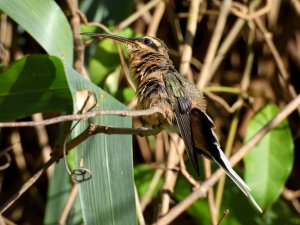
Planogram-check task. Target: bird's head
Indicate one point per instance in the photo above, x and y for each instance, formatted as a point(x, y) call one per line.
point(138, 45)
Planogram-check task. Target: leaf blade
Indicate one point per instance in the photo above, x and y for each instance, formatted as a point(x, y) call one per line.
point(108, 198)
point(36, 83)
point(45, 22)
point(267, 165)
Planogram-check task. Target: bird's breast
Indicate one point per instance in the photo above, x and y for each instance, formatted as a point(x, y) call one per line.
point(152, 92)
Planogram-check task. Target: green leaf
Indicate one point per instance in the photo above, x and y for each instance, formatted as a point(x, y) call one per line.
point(40, 84)
point(143, 175)
point(45, 22)
point(269, 163)
point(108, 197)
point(33, 84)
point(105, 60)
point(125, 94)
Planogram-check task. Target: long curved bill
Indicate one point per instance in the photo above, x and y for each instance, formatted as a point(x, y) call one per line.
point(110, 36)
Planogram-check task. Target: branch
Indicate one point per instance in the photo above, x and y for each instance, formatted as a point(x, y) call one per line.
point(58, 154)
point(187, 49)
point(87, 115)
point(133, 17)
point(213, 45)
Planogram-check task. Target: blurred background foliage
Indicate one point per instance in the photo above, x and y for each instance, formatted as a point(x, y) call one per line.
point(246, 91)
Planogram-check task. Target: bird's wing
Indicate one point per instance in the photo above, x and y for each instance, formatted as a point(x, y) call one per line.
point(206, 142)
point(182, 111)
point(182, 106)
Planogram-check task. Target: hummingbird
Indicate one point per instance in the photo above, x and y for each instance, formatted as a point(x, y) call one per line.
point(184, 106)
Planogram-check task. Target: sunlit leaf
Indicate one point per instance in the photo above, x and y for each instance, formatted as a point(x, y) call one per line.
point(45, 22)
point(33, 84)
point(106, 59)
point(108, 197)
point(269, 163)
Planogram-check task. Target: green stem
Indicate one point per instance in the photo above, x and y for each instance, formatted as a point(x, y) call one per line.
point(223, 89)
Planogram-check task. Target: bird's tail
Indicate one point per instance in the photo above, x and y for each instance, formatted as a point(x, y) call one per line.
point(225, 164)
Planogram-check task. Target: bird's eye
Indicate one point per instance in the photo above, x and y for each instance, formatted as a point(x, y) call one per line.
point(148, 41)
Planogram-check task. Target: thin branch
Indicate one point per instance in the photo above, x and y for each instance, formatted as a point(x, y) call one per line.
point(68, 206)
point(210, 193)
point(139, 210)
point(221, 101)
point(93, 129)
point(151, 188)
point(280, 65)
point(43, 140)
point(235, 121)
point(187, 175)
point(26, 186)
point(175, 151)
point(225, 213)
point(157, 16)
point(58, 154)
point(133, 17)
point(184, 204)
point(125, 68)
point(143, 144)
point(93, 24)
point(191, 28)
point(222, 89)
point(241, 10)
point(78, 45)
point(292, 196)
point(141, 131)
point(214, 43)
point(65, 118)
point(226, 44)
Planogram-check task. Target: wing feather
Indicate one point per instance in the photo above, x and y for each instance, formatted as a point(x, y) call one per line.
point(182, 112)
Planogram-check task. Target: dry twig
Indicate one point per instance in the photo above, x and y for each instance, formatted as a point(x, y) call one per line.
point(87, 115)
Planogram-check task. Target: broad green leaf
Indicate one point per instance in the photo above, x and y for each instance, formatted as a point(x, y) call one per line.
point(33, 84)
point(45, 22)
point(108, 197)
point(269, 163)
point(39, 84)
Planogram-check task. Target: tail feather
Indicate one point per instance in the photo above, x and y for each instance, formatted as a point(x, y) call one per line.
point(225, 164)
point(206, 143)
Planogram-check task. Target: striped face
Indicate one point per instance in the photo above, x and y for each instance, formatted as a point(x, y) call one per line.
point(140, 44)
point(149, 44)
